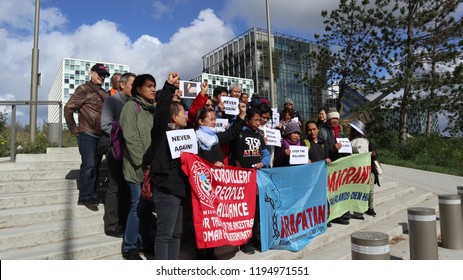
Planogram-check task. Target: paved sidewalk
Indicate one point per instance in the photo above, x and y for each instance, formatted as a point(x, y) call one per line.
point(437, 183)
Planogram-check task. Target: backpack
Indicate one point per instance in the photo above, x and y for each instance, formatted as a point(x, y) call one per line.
point(117, 139)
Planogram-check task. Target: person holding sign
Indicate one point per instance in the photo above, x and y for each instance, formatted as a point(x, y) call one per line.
point(136, 121)
point(170, 185)
point(332, 131)
point(202, 100)
point(209, 140)
point(292, 137)
point(317, 147)
point(210, 143)
point(360, 144)
point(250, 151)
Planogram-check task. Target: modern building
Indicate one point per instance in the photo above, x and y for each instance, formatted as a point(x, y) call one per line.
point(247, 56)
point(247, 85)
point(417, 121)
point(71, 73)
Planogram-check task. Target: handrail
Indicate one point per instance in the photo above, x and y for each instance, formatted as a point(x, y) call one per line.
point(14, 103)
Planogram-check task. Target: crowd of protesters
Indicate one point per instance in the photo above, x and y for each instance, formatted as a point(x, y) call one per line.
point(143, 114)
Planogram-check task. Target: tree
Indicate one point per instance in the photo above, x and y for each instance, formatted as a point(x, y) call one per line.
point(421, 31)
point(440, 48)
point(351, 48)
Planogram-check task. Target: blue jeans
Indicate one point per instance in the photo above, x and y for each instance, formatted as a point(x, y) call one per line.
point(90, 167)
point(139, 220)
point(169, 210)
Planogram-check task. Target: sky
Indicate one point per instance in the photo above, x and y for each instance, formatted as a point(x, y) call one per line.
point(151, 36)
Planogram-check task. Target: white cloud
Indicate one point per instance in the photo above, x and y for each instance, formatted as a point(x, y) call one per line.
point(166, 8)
point(20, 15)
point(303, 17)
point(102, 41)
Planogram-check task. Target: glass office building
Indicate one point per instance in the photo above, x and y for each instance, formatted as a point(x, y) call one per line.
point(247, 56)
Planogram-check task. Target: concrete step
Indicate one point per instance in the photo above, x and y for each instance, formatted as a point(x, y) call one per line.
point(54, 157)
point(24, 216)
point(31, 166)
point(337, 232)
point(86, 248)
point(68, 150)
point(34, 175)
point(18, 187)
point(43, 233)
point(9, 201)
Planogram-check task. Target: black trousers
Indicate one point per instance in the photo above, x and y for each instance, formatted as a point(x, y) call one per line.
point(117, 199)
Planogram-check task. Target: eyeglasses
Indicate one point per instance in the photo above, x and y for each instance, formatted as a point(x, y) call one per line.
point(209, 105)
point(101, 75)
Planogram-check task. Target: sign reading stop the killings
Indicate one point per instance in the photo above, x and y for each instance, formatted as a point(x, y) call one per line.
point(223, 200)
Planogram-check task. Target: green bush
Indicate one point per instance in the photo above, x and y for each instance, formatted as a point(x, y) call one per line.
point(432, 153)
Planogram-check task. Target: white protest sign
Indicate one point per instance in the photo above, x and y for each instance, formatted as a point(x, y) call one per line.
point(346, 146)
point(189, 89)
point(299, 155)
point(273, 137)
point(182, 140)
point(231, 105)
point(221, 125)
point(275, 119)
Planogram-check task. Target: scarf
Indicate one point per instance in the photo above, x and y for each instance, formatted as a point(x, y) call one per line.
point(207, 137)
point(287, 143)
point(173, 126)
point(336, 131)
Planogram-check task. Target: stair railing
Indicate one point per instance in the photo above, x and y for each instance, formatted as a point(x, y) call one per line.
point(13, 104)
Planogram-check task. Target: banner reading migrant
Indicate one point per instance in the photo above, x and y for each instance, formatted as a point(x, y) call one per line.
point(223, 201)
point(349, 184)
point(293, 205)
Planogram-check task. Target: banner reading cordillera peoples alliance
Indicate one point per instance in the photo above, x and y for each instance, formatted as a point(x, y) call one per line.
point(223, 200)
point(349, 184)
point(293, 205)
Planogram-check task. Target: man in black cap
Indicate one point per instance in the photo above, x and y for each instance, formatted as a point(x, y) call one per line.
point(87, 101)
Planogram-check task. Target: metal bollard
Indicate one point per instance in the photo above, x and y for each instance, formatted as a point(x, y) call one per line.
point(422, 233)
point(460, 192)
point(451, 221)
point(370, 245)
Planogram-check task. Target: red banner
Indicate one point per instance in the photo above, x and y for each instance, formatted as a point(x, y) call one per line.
point(223, 200)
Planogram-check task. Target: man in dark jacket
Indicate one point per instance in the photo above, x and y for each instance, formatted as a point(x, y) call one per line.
point(87, 100)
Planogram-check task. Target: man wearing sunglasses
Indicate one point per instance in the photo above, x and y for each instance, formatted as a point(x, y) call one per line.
point(87, 101)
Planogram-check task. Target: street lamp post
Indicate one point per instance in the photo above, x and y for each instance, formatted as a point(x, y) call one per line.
point(272, 86)
point(34, 74)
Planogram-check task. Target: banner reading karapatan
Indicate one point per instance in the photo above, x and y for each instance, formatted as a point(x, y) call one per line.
point(223, 201)
point(349, 184)
point(293, 205)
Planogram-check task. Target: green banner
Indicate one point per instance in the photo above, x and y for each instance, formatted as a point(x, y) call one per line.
point(349, 184)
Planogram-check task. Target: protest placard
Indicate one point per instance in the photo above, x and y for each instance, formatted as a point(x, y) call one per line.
point(221, 125)
point(299, 155)
point(273, 137)
point(182, 140)
point(189, 89)
point(275, 119)
point(231, 105)
point(346, 146)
